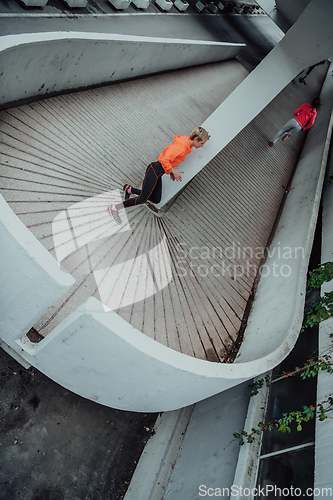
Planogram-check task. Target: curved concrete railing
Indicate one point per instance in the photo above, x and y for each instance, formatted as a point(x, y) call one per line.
point(31, 279)
point(38, 64)
point(98, 355)
point(277, 311)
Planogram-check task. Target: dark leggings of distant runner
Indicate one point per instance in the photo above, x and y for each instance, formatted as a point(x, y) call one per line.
point(151, 187)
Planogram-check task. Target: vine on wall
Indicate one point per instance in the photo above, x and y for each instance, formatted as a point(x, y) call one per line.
point(317, 311)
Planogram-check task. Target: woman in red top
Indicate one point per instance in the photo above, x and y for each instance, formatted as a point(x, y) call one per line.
point(304, 118)
point(167, 162)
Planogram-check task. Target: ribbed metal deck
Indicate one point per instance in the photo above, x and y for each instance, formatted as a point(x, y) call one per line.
point(183, 279)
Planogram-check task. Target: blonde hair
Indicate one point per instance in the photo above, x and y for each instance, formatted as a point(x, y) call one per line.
point(200, 133)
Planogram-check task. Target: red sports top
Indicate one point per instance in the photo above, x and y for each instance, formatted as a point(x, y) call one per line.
point(305, 113)
point(175, 153)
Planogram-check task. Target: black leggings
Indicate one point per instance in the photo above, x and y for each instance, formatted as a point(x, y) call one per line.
point(151, 187)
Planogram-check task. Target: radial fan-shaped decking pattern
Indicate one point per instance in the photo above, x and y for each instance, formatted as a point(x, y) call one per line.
point(183, 279)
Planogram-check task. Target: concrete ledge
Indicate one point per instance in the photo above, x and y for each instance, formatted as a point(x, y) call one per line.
point(156, 463)
point(31, 278)
point(324, 430)
point(277, 311)
point(14, 354)
point(209, 452)
point(39, 64)
point(94, 346)
point(34, 3)
point(75, 3)
point(248, 459)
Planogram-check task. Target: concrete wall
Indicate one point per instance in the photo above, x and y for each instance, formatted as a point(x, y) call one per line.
point(31, 280)
point(39, 64)
point(269, 6)
point(309, 41)
point(324, 430)
point(193, 450)
point(98, 355)
point(152, 474)
point(291, 10)
point(209, 453)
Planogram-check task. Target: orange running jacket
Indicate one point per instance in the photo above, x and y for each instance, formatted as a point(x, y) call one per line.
point(175, 153)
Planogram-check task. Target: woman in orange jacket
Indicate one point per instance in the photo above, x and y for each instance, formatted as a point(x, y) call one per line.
point(167, 162)
point(304, 118)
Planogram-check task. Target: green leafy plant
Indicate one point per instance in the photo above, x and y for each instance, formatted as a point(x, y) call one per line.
point(322, 308)
point(284, 423)
point(318, 311)
point(253, 389)
point(313, 314)
point(308, 370)
point(312, 367)
point(317, 277)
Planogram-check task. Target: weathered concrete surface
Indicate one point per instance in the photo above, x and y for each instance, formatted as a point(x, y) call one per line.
point(31, 280)
point(230, 375)
point(157, 461)
point(38, 64)
point(277, 311)
point(291, 10)
point(169, 380)
point(159, 376)
point(209, 452)
point(258, 32)
point(324, 430)
point(34, 3)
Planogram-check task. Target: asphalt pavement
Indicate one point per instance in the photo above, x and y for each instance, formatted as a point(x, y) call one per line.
point(55, 445)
